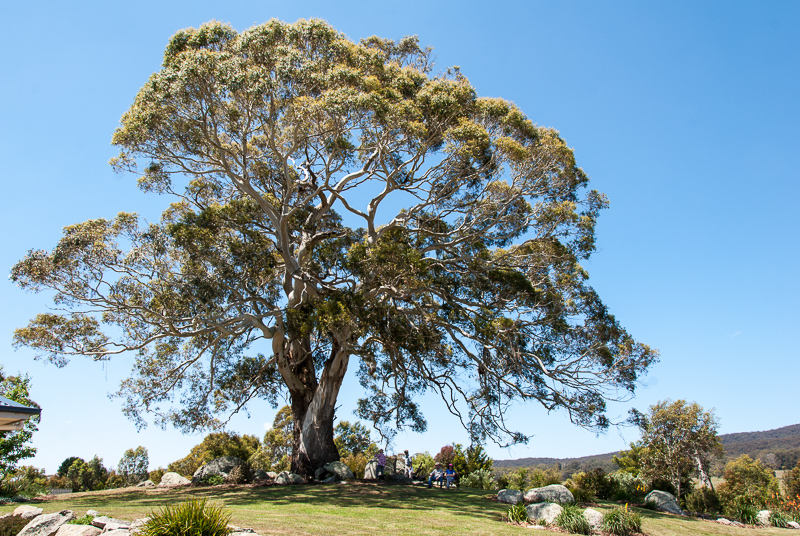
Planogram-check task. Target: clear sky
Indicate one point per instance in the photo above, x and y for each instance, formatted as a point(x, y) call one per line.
point(686, 114)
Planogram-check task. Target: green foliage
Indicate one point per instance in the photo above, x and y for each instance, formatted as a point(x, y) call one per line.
point(84, 520)
point(477, 460)
point(25, 481)
point(133, 467)
point(65, 465)
point(571, 520)
point(778, 519)
point(190, 518)
point(350, 438)
point(275, 453)
point(83, 476)
point(212, 480)
point(423, 463)
point(581, 495)
point(216, 445)
point(743, 511)
point(627, 487)
point(518, 514)
point(264, 138)
point(15, 445)
point(747, 483)
point(630, 461)
point(479, 479)
point(791, 482)
point(596, 483)
point(679, 439)
point(357, 463)
point(12, 525)
point(622, 522)
point(155, 475)
point(702, 500)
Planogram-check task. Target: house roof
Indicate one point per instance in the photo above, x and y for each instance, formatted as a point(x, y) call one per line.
point(13, 414)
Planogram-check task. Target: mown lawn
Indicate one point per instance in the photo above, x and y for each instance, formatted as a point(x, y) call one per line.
point(356, 508)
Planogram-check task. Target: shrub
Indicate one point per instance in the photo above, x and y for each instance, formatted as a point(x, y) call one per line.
point(213, 480)
point(11, 525)
point(357, 463)
point(627, 487)
point(581, 495)
point(156, 475)
point(479, 479)
point(544, 477)
point(239, 475)
point(190, 518)
point(571, 519)
point(702, 500)
point(518, 479)
point(791, 482)
point(518, 514)
point(622, 522)
point(747, 481)
point(595, 482)
point(778, 519)
point(745, 512)
point(85, 520)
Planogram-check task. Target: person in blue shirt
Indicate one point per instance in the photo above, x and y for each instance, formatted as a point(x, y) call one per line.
point(450, 475)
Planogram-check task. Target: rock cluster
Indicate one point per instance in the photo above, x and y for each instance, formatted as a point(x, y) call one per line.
point(56, 524)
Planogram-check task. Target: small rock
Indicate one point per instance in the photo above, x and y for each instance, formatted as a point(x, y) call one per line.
point(117, 532)
point(46, 524)
point(762, 517)
point(27, 512)
point(173, 479)
point(546, 510)
point(340, 469)
point(723, 521)
point(146, 484)
point(102, 521)
point(793, 525)
point(509, 496)
point(594, 518)
point(289, 478)
point(78, 530)
point(92, 513)
point(555, 493)
point(664, 502)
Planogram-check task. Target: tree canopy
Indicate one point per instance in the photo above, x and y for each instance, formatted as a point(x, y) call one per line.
point(15, 445)
point(334, 200)
point(679, 439)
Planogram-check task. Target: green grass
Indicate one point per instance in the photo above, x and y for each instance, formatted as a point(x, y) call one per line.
point(358, 509)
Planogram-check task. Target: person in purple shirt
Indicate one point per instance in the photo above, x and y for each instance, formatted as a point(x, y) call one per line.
point(380, 457)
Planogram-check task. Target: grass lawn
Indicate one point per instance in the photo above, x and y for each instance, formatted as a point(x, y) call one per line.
point(356, 508)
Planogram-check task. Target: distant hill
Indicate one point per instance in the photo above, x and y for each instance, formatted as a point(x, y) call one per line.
point(782, 443)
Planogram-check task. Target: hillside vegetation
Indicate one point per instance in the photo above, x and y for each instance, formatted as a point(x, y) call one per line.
point(783, 443)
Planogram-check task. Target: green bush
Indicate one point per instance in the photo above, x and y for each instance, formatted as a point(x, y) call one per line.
point(778, 519)
point(702, 500)
point(791, 482)
point(571, 519)
point(627, 487)
point(518, 513)
point(747, 481)
point(213, 480)
point(85, 520)
point(190, 518)
point(596, 482)
point(745, 512)
point(622, 522)
point(11, 525)
point(479, 479)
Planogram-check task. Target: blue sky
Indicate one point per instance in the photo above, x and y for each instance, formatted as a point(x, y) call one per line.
point(685, 114)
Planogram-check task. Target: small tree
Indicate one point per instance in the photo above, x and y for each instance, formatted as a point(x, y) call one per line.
point(791, 482)
point(215, 445)
point(276, 450)
point(679, 439)
point(134, 465)
point(15, 445)
point(351, 439)
point(747, 482)
point(630, 461)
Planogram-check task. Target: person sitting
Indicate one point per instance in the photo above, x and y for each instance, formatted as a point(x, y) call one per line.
point(437, 475)
point(450, 476)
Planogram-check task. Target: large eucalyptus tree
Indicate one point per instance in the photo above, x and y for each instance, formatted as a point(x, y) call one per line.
point(339, 201)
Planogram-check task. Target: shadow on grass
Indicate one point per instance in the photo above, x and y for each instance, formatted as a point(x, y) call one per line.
point(459, 502)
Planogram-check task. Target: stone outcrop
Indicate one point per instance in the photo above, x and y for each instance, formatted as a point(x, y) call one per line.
point(371, 470)
point(173, 479)
point(221, 466)
point(793, 525)
point(509, 496)
point(260, 474)
point(46, 524)
point(546, 511)
point(289, 478)
point(342, 471)
point(664, 501)
point(26, 511)
point(110, 523)
point(594, 518)
point(78, 530)
point(762, 517)
point(555, 493)
point(146, 484)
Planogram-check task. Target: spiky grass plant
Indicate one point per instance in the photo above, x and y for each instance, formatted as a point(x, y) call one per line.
point(571, 519)
point(518, 514)
point(190, 518)
point(622, 522)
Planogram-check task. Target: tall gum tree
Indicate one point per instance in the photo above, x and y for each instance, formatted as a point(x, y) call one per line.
point(287, 149)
